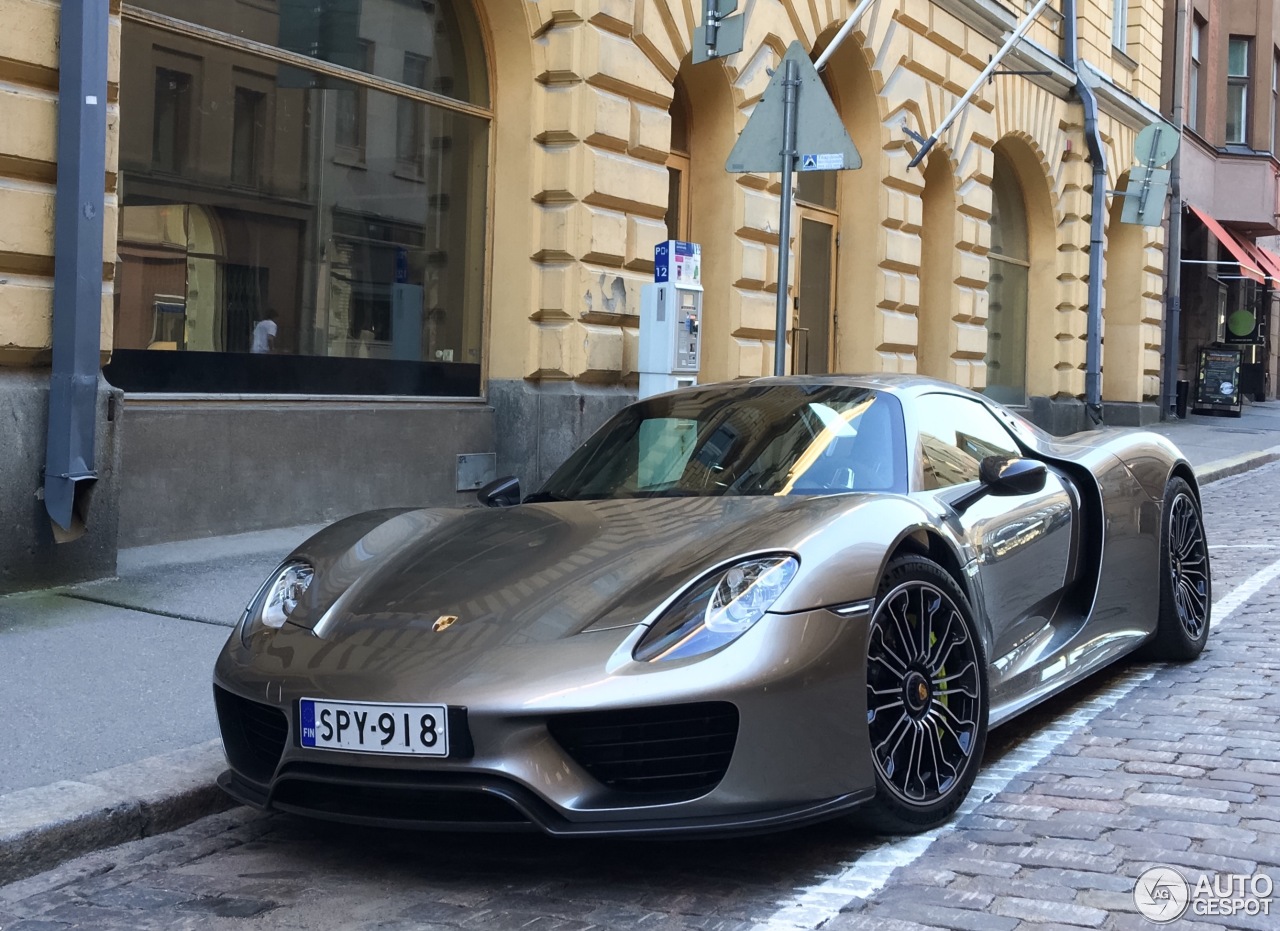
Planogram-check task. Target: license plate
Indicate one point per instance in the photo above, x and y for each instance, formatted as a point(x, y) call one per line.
point(372, 727)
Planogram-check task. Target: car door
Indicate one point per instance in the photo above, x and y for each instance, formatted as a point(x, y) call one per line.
point(1023, 544)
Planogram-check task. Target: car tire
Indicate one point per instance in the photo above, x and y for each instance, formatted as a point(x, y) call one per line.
point(1186, 584)
point(927, 722)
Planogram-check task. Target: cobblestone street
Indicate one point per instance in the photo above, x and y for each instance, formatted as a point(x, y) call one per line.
point(1145, 765)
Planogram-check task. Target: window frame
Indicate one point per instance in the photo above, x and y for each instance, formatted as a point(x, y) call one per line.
point(1241, 81)
point(1275, 101)
point(186, 30)
point(351, 152)
point(923, 402)
point(1195, 84)
point(1120, 25)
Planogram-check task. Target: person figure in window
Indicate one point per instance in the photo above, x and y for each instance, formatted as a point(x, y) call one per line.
point(264, 333)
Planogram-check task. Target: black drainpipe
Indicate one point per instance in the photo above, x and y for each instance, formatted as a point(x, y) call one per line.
point(1098, 159)
point(77, 264)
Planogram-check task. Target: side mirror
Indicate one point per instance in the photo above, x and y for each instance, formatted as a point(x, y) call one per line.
point(1006, 477)
point(1003, 477)
point(500, 493)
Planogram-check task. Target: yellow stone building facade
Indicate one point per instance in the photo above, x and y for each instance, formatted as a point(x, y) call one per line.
point(912, 264)
point(587, 138)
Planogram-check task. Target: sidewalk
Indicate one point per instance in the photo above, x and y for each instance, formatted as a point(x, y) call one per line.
point(108, 729)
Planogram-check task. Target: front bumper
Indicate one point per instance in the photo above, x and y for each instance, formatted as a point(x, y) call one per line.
point(799, 752)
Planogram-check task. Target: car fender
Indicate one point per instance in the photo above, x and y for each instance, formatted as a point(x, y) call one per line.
point(844, 561)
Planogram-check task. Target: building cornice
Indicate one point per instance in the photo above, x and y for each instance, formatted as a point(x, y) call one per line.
point(995, 21)
point(1117, 102)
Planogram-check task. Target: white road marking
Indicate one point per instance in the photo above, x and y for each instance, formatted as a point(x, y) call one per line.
point(1241, 593)
point(1244, 546)
point(813, 906)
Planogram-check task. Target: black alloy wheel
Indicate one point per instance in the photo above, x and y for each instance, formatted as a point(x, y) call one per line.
point(1186, 584)
point(926, 697)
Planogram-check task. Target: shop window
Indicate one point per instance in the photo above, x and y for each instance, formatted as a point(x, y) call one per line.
point(335, 32)
point(351, 214)
point(1010, 266)
point(1238, 54)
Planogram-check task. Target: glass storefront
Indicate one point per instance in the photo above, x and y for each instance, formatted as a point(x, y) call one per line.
point(301, 225)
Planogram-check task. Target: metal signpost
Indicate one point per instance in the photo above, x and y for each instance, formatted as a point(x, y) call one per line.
point(720, 34)
point(1149, 182)
point(795, 126)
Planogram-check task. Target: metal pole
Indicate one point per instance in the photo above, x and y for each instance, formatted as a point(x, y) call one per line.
point(1173, 263)
point(1018, 33)
point(790, 104)
point(843, 33)
point(77, 264)
point(1098, 206)
point(711, 20)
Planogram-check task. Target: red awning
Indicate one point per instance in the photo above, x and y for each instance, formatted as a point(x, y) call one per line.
point(1255, 252)
point(1271, 261)
point(1249, 266)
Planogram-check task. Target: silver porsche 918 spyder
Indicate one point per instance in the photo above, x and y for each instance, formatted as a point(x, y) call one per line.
point(736, 607)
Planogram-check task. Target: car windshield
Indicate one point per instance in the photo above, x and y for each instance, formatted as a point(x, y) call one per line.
point(750, 440)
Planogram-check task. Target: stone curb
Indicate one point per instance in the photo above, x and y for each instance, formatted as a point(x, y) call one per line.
point(1225, 468)
point(44, 826)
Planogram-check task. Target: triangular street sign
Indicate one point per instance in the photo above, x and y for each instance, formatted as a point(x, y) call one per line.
point(822, 144)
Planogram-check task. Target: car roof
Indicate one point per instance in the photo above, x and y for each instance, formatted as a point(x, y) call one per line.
point(892, 383)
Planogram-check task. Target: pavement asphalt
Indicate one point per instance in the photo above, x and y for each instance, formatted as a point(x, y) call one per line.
point(109, 733)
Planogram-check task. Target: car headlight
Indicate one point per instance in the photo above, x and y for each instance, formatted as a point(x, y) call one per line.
point(278, 598)
point(718, 608)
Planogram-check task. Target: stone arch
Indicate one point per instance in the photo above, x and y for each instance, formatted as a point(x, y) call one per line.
point(1123, 346)
point(862, 202)
point(939, 260)
point(1025, 161)
point(712, 132)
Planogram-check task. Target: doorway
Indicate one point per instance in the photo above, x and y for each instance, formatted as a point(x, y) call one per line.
point(813, 338)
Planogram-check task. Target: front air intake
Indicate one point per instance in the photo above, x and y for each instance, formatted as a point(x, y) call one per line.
point(672, 750)
point(253, 734)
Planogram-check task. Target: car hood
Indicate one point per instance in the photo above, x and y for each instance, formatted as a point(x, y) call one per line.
point(541, 572)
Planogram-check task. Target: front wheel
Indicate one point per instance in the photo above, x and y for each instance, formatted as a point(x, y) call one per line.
point(1186, 589)
point(926, 697)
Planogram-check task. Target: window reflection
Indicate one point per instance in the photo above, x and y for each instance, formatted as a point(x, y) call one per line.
point(252, 190)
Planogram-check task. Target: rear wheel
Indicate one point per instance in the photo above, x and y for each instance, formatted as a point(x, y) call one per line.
point(1186, 588)
point(926, 697)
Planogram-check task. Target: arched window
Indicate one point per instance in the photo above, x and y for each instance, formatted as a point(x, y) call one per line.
point(304, 182)
point(678, 166)
point(937, 270)
point(1010, 267)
